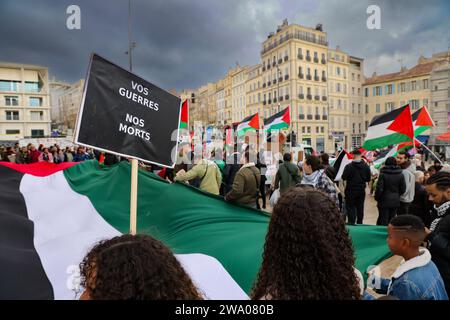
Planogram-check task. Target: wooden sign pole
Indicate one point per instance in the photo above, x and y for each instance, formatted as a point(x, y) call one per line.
point(133, 196)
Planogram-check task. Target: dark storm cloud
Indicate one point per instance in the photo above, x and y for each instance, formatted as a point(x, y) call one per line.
point(183, 44)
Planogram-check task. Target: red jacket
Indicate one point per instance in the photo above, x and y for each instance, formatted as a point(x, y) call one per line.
point(33, 156)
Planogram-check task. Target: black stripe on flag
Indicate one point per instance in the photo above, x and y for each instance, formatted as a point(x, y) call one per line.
point(388, 116)
point(22, 275)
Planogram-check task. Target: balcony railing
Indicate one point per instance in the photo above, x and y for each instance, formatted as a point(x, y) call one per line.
point(324, 98)
point(300, 56)
point(316, 60)
point(264, 85)
point(274, 81)
point(281, 98)
point(301, 75)
point(269, 101)
point(309, 97)
point(274, 100)
point(264, 102)
point(294, 36)
point(309, 117)
point(280, 79)
point(286, 77)
point(268, 66)
point(324, 79)
point(274, 64)
point(301, 96)
point(316, 98)
point(308, 77)
point(324, 117)
point(286, 58)
point(301, 116)
point(263, 69)
point(269, 83)
point(316, 78)
point(323, 61)
point(280, 61)
point(308, 58)
point(317, 117)
point(286, 97)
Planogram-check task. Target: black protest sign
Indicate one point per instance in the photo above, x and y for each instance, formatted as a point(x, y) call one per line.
point(123, 114)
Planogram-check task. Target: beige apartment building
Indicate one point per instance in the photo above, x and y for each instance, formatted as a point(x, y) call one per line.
point(220, 103)
point(24, 101)
point(253, 91)
point(383, 93)
point(294, 68)
point(238, 93)
point(355, 94)
point(440, 98)
point(66, 102)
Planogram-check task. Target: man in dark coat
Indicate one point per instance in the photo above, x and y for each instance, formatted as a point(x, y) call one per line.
point(356, 175)
point(438, 235)
point(390, 185)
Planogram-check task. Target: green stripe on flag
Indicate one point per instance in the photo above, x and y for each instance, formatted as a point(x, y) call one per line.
point(191, 221)
point(384, 141)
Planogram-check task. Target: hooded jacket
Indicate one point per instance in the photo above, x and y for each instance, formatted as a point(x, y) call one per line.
point(288, 175)
point(410, 181)
point(390, 185)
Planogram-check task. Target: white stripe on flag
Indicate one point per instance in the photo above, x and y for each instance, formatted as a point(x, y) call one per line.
point(66, 226)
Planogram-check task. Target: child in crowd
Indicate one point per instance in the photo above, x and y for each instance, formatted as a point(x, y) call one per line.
point(417, 278)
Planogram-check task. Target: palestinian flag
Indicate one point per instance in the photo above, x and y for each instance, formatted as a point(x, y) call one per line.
point(421, 121)
point(184, 121)
point(343, 159)
point(51, 215)
point(279, 121)
point(251, 123)
point(381, 159)
point(390, 128)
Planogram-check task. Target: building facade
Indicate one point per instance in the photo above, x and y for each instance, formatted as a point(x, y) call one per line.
point(238, 94)
point(383, 93)
point(66, 102)
point(294, 67)
point(440, 98)
point(24, 101)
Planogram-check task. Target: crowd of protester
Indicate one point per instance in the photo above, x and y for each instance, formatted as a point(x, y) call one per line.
point(308, 253)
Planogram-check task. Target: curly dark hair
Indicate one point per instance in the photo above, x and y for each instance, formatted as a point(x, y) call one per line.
point(308, 252)
point(136, 267)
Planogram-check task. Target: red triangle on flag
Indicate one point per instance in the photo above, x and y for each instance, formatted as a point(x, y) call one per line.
point(403, 123)
point(254, 123)
point(184, 112)
point(287, 117)
point(424, 118)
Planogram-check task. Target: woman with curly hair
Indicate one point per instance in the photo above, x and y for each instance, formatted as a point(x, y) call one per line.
point(136, 267)
point(308, 253)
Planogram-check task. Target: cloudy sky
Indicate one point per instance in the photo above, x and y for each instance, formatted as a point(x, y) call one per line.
point(186, 43)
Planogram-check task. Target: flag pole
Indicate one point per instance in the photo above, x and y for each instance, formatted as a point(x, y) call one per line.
point(430, 151)
point(134, 162)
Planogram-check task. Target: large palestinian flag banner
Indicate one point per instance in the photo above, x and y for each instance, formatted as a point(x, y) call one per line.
point(51, 215)
point(390, 128)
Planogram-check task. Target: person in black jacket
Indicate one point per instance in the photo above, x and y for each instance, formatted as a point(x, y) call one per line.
point(232, 166)
point(421, 206)
point(356, 175)
point(438, 235)
point(390, 185)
